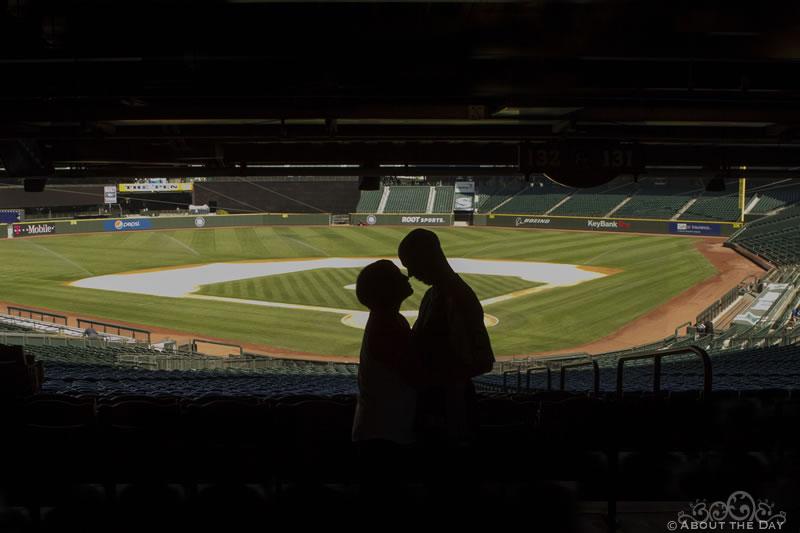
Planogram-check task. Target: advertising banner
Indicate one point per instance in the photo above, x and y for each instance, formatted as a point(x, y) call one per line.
point(361, 219)
point(27, 230)
point(156, 187)
point(532, 222)
point(694, 228)
point(619, 225)
point(110, 194)
point(127, 224)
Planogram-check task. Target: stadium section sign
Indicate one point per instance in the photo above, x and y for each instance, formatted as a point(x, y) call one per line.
point(155, 187)
point(693, 228)
point(127, 225)
point(27, 230)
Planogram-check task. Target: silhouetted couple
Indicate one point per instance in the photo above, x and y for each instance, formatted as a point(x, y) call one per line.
point(415, 385)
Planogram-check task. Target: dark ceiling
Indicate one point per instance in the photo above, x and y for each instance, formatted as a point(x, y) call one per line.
point(583, 88)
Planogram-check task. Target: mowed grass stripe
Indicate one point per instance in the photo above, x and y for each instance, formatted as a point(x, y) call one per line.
point(324, 284)
point(325, 287)
point(204, 241)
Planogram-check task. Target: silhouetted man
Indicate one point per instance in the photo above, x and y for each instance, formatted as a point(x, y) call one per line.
point(450, 337)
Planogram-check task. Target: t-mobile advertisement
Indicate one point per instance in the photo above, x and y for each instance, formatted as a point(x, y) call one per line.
point(27, 230)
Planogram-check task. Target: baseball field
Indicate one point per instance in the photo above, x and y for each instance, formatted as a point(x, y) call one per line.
point(292, 287)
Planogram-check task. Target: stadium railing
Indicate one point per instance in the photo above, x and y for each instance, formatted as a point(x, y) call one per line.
point(31, 312)
point(656, 357)
point(119, 329)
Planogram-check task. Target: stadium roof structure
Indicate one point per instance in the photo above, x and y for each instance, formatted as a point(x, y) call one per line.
point(579, 90)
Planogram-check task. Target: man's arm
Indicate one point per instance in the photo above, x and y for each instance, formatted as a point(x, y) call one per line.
point(468, 336)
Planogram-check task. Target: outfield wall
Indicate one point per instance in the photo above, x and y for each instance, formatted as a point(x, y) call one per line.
point(404, 219)
point(111, 225)
point(617, 225)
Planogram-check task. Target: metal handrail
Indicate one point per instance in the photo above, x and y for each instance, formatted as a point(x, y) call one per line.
point(657, 356)
point(595, 373)
point(678, 329)
point(119, 328)
point(505, 375)
point(533, 369)
point(35, 312)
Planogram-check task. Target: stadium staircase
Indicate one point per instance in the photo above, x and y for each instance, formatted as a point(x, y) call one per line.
point(683, 209)
point(489, 202)
point(505, 201)
point(370, 201)
point(384, 199)
point(536, 198)
point(618, 207)
point(590, 202)
point(431, 200)
point(558, 204)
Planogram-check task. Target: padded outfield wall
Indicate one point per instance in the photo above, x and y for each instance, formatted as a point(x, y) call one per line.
point(405, 219)
point(617, 225)
point(111, 225)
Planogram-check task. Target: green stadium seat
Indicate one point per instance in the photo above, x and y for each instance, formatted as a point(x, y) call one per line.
point(407, 199)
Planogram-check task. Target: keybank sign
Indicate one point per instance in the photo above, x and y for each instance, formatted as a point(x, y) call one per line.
point(613, 224)
point(127, 225)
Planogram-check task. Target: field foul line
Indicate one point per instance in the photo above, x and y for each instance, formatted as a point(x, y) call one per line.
point(358, 319)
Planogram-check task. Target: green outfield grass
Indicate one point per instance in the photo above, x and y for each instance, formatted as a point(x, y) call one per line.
point(326, 287)
point(655, 268)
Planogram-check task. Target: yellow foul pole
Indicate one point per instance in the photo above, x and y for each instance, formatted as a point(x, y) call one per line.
point(742, 186)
